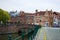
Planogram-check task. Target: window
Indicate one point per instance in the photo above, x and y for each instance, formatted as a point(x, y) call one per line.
point(40, 20)
point(40, 17)
point(55, 21)
point(46, 24)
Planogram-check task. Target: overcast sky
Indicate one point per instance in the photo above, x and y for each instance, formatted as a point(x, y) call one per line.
point(30, 5)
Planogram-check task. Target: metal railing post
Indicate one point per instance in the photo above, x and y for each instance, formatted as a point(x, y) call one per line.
point(28, 34)
point(23, 35)
point(10, 37)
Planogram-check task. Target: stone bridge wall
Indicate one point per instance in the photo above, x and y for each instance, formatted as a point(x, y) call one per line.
point(15, 28)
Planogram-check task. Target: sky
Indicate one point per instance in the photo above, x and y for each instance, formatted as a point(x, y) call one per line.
point(30, 5)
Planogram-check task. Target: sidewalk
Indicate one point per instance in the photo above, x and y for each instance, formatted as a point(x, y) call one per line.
point(47, 33)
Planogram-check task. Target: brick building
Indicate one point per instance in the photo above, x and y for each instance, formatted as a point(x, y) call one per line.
point(29, 18)
point(43, 18)
point(46, 18)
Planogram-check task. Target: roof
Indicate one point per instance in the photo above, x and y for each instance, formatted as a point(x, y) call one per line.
point(29, 14)
point(41, 13)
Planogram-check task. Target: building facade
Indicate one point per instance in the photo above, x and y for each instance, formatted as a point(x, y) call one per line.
point(43, 18)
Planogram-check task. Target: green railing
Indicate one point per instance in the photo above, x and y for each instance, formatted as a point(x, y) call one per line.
point(31, 33)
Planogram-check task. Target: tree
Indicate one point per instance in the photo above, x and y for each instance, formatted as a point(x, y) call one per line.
point(4, 16)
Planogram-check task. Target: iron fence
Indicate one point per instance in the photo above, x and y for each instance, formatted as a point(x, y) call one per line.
point(23, 33)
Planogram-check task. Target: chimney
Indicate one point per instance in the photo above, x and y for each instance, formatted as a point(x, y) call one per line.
point(46, 11)
point(51, 10)
point(21, 11)
point(36, 10)
point(16, 11)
